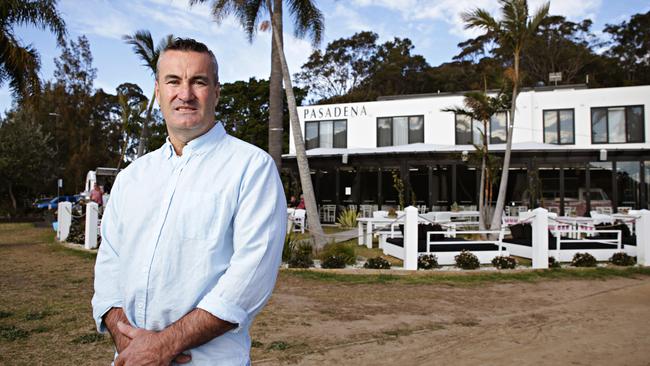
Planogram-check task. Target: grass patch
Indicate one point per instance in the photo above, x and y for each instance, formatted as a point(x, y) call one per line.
point(37, 315)
point(88, 338)
point(472, 278)
point(12, 333)
point(278, 346)
point(5, 314)
point(60, 249)
point(256, 344)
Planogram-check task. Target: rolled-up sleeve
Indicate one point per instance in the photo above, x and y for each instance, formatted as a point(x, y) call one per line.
point(107, 287)
point(259, 228)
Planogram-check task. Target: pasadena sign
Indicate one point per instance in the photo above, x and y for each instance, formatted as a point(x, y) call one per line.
point(333, 112)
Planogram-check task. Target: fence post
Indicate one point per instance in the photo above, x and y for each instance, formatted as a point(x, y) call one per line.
point(540, 238)
point(643, 238)
point(64, 219)
point(92, 211)
point(411, 238)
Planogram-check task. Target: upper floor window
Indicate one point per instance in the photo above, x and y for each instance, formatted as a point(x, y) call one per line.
point(393, 131)
point(470, 131)
point(611, 125)
point(326, 134)
point(559, 126)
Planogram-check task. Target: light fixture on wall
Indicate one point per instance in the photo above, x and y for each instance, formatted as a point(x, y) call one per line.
point(603, 154)
point(464, 155)
point(344, 158)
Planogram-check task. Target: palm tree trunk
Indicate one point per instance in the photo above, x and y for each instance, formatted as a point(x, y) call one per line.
point(145, 127)
point(276, 101)
point(301, 155)
point(481, 197)
point(13, 198)
point(501, 198)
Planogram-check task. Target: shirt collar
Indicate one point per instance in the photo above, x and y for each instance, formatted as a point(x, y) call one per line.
point(199, 145)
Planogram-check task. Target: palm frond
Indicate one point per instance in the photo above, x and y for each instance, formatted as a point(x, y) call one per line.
point(308, 20)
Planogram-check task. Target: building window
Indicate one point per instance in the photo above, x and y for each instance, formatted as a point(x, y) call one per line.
point(394, 131)
point(612, 125)
point(470, 131)
point(559, 126)
point(326, 134)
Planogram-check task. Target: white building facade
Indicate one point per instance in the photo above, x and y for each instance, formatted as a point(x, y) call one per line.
point(567, 141)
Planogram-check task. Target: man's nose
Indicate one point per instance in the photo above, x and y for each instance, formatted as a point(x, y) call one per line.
point(186, 93)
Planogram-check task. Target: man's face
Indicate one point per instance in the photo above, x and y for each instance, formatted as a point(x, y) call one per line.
point(187, 93)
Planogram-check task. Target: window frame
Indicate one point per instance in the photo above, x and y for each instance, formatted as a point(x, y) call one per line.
point(392, 128)
point(625, 107)
point(471, 128)
point(559, 127)
point(507, 113)
point(318, 134)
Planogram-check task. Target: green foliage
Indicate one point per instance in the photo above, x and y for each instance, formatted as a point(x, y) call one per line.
point(428, 261)
point(5, 314)
point(501, 262)
point(553, 263)
point(301, 256)
point(289, 245)
point(333, 261)
point(398, 185)
point(88, 338)
point(583, 260)
point(377, 263)
point(467, 260)
point(342, 250)
point(12, 333)
point(348, 218)
point(278, 346)
point(622, 259)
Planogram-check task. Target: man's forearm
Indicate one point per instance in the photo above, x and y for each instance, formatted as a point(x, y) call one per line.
point(194, 329)
point(111, 319)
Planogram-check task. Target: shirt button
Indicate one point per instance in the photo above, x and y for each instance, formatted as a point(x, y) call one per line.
point(140, 306)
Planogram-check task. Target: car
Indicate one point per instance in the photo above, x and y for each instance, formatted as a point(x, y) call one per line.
point(52, 203)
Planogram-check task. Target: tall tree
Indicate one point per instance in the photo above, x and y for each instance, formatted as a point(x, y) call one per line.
point(19, 64)
point(143, 46)
point(630, 46)
point(512, 32)
point(308, 21)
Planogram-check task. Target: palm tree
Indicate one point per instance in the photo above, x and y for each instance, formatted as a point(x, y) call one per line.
point(481, 107)
point(308, 21)
point(512, 32)
point(143, 46)
point(19, 64)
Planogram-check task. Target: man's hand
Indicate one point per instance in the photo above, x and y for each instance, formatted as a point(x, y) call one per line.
point(114, 316)
point(146, 348)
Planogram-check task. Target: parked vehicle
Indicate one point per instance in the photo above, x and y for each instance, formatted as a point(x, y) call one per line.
point(53, 203)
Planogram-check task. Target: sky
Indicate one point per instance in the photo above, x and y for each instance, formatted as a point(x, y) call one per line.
point(434, 27)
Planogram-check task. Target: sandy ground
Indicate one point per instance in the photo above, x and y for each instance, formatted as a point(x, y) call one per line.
point(45, 292)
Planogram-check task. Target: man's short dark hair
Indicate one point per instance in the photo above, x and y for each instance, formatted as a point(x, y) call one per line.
point(190, 45)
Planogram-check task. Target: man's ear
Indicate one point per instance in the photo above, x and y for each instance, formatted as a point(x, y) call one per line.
point(156, 91)
point(217, 92)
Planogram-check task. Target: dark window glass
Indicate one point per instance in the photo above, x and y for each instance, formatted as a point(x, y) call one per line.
point(384, 133)
point(635, 124)
point(599, 125)
point(566, 127)
point(559, 126)
point(416, 129)
point(617, 124)
point(550, 127)
point(340, 134)
point(463, 130)
point(311, 135)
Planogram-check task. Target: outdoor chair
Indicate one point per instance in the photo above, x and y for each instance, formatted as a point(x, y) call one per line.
point(379, 214)
point(299, 221)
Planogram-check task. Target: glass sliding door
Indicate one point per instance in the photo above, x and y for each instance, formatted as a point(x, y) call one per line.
point(628, 183)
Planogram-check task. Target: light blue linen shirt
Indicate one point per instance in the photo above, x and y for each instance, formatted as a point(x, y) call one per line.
point(202, 230)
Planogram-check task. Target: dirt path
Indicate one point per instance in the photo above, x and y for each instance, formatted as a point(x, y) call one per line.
point(45, 318)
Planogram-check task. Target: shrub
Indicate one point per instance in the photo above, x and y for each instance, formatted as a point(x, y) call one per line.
point(502, 262)
point(428, 261)
point(348, 218)
point(467, 260)
point(552, 263)
point(301, 255)
point(377, 263)
point(347, 252)
point(333, 261)
point(289, 246)
point(583, 260)
point(622, 259)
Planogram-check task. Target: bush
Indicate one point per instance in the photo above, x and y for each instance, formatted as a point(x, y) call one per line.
point(501, 262)
point(622, 259)
point(583, 260)
point(333, 261)
point(301, 255)
point(428, 261)
point(467, 260)
point(348, 218)
point(289, 246)
point(345, 251)
point(552, 263)
point(377, 263)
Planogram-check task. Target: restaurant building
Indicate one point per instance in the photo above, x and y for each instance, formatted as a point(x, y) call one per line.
point(574, 149)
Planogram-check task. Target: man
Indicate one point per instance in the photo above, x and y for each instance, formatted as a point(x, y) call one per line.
point(193, 234)
point(96, 194)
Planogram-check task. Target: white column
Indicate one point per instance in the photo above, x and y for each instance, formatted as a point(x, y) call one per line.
point(92, 213)
point(411, 238)
point(64, 218)
point(361, 235)
point(540, 238)
point(369, 234)
point(643, 238)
